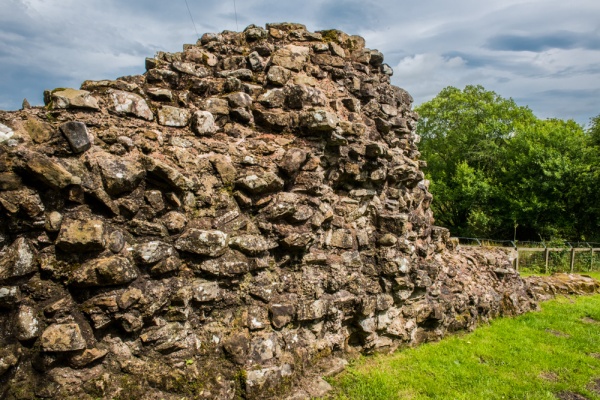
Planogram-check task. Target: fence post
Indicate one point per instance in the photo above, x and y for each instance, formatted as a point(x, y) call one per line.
point(572, 259)
point(547, 256)
point(592, 258)
point(517, 259)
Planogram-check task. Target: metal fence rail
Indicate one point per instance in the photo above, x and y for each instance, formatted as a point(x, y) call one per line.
point(543, 257)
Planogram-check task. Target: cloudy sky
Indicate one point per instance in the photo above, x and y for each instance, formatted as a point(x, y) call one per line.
point(542, 53)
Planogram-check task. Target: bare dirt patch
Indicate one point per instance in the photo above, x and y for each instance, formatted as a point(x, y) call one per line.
point(557, 333)
point(590, 320)
point(595, 355)
point(594, 386)
point(549, 376)
point(566, 395)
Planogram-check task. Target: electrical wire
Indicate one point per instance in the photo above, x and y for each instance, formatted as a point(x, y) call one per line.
point(237, 28)
point(192, 18)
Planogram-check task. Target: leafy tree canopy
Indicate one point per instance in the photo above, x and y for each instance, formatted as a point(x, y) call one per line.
point(496, 170)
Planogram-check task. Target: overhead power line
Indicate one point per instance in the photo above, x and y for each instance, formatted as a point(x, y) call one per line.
point(237, 28)
point(192, 18)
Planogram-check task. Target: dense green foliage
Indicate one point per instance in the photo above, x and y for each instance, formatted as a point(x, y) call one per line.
point(534, 356)
point(496, 169)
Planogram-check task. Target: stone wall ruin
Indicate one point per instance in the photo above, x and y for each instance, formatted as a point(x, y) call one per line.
point(215, 227)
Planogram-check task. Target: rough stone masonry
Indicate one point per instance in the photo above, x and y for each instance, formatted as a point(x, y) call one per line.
point(218, 226)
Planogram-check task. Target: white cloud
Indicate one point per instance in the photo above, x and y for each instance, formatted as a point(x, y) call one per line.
point(432, 44)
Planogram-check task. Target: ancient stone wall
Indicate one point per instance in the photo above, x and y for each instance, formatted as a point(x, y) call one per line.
point(215, 227)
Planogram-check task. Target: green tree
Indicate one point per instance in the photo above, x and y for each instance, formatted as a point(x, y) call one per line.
point(495, 167)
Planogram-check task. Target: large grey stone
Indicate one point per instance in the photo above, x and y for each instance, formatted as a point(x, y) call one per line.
point(291, 57)
point(72, 98)
point(28, 325)
point(251, 245)
point(106, 271)
point(48, 171)
point(191, 69)
point(81, 235)
point(152, 252)
point(211, 243)
point(278, 75)
point(203, 123)
point(261, 380)
point(265, 183)
point(239, 100)
point(272, 98)
point(18, 260)
point(62, 338)
point(130, 104)
point(120, 175)
point(230, 264)
point(319, 120)
point(293, 159)
point(5, 133)
point(205, 291)
point(77, 135)
point(173, 116)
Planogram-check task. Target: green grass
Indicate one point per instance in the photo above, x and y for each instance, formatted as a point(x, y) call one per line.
point(512, 358)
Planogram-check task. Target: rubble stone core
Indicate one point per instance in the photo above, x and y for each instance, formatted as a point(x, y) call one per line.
point(213, 228)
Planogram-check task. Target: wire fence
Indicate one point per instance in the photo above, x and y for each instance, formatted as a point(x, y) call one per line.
point(543, 257)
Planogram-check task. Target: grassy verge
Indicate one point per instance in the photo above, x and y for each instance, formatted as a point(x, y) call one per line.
point(533, 356)
point(593, 274)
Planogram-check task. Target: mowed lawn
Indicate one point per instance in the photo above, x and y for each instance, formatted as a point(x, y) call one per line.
point(552, 354)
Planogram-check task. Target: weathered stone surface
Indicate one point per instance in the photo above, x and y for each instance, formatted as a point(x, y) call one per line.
point(8, 358)
point(86, 357)
point(191, 69)
point(126, 103)
point(160, 94)
point(239, 100)
point(265, 183)
point(293, 159)
point(275, 120)
point(291, 57)
point(342, 238)
point(252, 245)
point(120, 175)
point(104, 272)
point(203, 123)
point(173, 116)
point(217, 106)
point(9, 296)
point(49, 171)
point(27, 323)
point(211, 243)
point(204, 291)
point(77, 135)
point(230, 264)
point(174, 221)
point(278, 75)
point(260, 380)
point(281, 314)
point(81, 235)
point(257, 63)
point(272, 98)
point(5, 133)
point(18, 260)
point(319, 121)
point(72, 98)
point(224, 167)
point(152, 252)
point(165, 174)
point(62, 338)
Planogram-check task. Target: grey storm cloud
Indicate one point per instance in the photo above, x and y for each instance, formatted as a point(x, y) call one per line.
point(552, 40)
point(543, 53)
